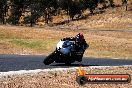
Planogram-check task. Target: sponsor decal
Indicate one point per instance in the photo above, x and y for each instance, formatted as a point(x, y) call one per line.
point(83, 78)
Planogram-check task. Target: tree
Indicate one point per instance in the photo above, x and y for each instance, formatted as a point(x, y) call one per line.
point(16, 11)
point(3, 5)
point(124, 3)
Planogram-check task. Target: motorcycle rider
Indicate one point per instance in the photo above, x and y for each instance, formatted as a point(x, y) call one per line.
point(69, 47)
point(80, 44)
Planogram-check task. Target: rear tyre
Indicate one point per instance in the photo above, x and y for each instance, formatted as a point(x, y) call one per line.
point(79, 58)
point(49, 59)
point(81, 80)
point(68, 62)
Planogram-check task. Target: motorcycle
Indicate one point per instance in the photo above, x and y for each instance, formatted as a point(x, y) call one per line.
point(65, 52)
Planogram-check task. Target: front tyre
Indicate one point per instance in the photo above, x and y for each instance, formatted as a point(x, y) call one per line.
point(49, 59)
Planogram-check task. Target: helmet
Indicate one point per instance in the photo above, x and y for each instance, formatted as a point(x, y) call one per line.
point(79, 37)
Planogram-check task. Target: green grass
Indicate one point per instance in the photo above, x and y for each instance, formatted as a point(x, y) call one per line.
point(27, 43)
point(33, 43)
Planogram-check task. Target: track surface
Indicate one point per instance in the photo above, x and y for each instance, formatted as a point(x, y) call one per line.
point(30, 62)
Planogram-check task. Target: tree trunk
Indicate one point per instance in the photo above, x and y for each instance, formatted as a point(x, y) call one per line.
point(46, 15)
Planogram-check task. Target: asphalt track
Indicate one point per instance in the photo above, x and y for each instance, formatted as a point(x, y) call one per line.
point(32, 62)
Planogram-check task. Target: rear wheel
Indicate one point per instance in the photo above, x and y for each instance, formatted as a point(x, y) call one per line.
point(69, 61)
point(49, 59)
point(79, 58)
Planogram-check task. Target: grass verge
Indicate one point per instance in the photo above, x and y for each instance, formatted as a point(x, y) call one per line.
point(43, 41)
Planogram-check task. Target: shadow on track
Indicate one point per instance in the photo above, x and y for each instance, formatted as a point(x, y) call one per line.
point(91, 61)
point(73, 65)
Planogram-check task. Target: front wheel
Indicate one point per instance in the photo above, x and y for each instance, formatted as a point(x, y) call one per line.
point(49, 59)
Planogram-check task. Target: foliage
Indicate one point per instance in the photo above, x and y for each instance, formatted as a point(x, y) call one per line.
point(31, 10)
